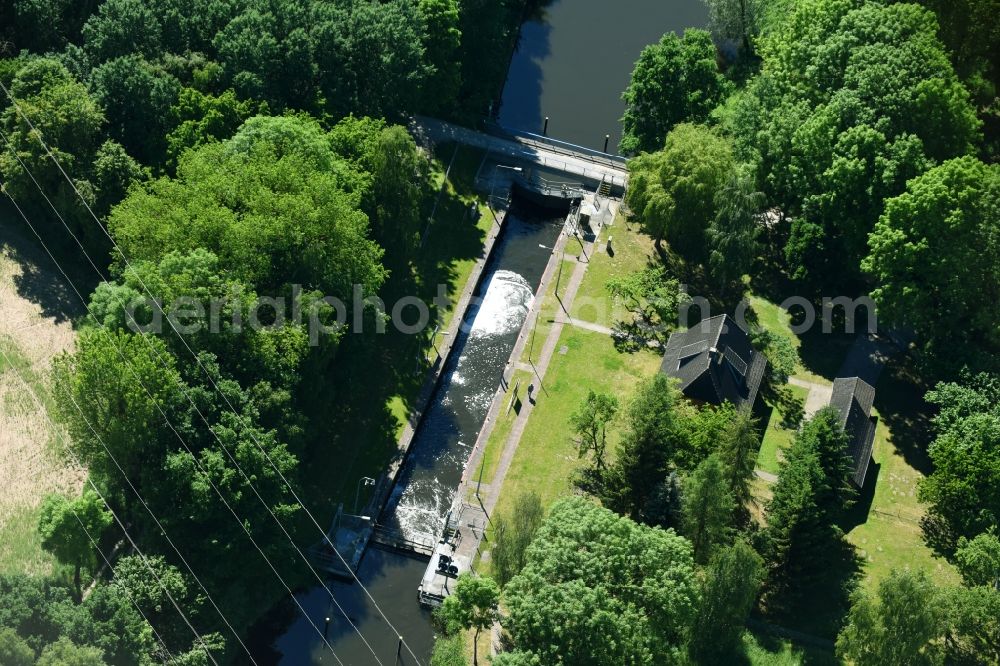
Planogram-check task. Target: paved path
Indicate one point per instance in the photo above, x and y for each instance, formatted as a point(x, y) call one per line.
point(766, 476)
point(588, 325)
point(818, 398)
point(489, 493)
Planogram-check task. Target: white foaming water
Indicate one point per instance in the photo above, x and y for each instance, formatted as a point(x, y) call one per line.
point(422, 500)
point(507, 301)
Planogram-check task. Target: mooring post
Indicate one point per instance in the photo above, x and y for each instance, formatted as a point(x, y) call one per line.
point(607, 137)
point(545, 127)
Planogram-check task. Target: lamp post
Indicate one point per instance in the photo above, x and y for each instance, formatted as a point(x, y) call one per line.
point(493, 183)
point(559, 270)
point(368, 481)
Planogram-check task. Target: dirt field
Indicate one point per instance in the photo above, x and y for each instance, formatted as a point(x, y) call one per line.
point(35, 325)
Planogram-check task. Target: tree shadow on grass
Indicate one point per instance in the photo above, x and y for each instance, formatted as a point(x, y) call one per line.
point(899, 399)
point(350, 405)
point(40, 280)
point(819, 605)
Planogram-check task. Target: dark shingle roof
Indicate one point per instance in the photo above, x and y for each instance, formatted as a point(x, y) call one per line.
point(853, 398)
point(714, 362)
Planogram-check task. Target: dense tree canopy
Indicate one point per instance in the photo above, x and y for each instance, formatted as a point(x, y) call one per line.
point(674, 81)
point(932, 243)
point(673, 191)
point(728, 593)
point(964, 488)
point(897, 627)
point(600, 589)
point(295, 217)
point(809, 497)
point(70, 528)
point(855, 98)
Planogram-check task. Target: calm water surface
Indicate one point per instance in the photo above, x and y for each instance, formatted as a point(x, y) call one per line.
point(573, 65)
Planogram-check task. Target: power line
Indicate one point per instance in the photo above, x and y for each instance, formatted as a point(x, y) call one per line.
point(114, 515)
point(115, 460)
point(194, 458)
point(201, 365)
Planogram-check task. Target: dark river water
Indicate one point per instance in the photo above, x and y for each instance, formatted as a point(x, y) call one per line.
point(573, 65)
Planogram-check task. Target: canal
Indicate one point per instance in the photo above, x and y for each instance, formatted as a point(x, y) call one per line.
point(433, 470)
point(571, 66)
point(574, 63)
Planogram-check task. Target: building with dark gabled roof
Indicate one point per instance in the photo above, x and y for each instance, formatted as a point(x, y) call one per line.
point(715, 363)
point(853, 398)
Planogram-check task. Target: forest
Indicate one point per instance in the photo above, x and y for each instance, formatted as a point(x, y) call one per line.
point(216, 151)
point(229, 151)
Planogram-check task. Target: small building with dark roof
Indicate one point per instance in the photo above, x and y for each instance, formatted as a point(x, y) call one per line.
point(714, 362)
point(853, 398)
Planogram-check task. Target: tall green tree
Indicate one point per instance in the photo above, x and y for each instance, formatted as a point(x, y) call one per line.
point(728, 593)
point(978, 560)
point(653, 439)
point(799, 536)
point(69, 529)
point(121, 28)
point(600, 589)
point(513, 533)
point(473, 605)
point(707, 508)
point(442, 39)
point(823, 435)
point(14, 650)
point(738, 447)
point(973, 625)
point(136, 97)
point(733, 234)
point(198, 118)
point(673, 191)
point(676, 80)
point(738, 21)
point(69, 121)
point(930, 244)
point(267, 53)
point(590, 423)
point(897, 626)
point(854, 99)
point(370, 57)
point(274, 204)
point(962, 489)
point(65, 653)
point(653, 298)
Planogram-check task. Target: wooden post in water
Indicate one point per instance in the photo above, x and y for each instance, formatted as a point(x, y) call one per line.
point(545, 127)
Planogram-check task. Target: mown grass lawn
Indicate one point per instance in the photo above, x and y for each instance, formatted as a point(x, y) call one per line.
point(776, 437)
point(889, 534)
point(512, 405)
point(885, 523)
point(31, 461)
point(633, 251)
point(547, 455)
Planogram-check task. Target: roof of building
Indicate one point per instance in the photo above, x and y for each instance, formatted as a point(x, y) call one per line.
point(714, 362)
point(853, 398)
